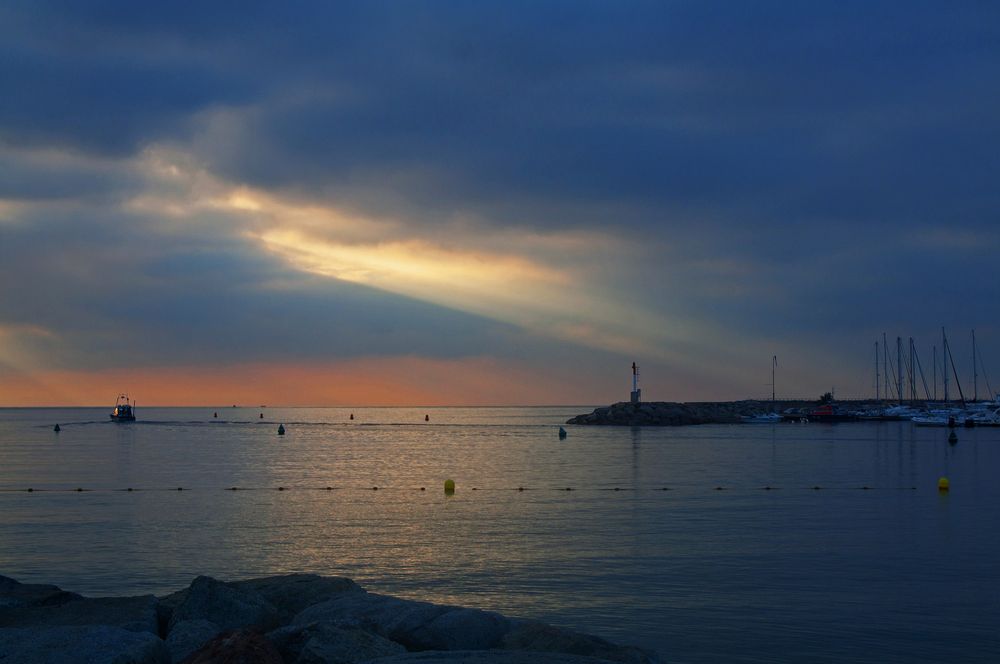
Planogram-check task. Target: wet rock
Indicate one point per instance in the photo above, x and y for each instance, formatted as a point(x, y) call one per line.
point(317, 643)
point(14, 594)
point(486, 657)
point(293, 593)
point(187, 636)
point(541, 637)
point(136, 614)
point(236, 647)
point(416, 625)
point(93, 644)
point(228, 607)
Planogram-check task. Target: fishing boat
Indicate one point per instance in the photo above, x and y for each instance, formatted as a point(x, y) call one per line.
point(123, 410)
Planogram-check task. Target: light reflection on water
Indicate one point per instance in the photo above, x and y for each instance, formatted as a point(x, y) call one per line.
point(891, 573)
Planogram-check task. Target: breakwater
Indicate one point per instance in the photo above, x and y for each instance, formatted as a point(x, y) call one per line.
point(669, 413)
point(280, 619)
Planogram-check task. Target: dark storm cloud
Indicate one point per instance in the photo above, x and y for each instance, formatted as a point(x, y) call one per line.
point(784, 167)
point(853, 111)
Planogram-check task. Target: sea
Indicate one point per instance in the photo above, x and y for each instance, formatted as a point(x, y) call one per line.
point(714, 543)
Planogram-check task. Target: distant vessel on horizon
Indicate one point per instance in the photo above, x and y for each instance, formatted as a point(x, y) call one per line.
point(123, 410)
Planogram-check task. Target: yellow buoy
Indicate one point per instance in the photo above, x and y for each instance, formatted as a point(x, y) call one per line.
point(449, 486)
point(943, 484)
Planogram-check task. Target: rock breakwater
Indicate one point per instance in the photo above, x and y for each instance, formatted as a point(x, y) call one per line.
point(670, 413)
point(300, 618)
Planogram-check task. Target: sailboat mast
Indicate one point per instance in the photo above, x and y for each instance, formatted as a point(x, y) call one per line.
point(885, 365)
point(913, 377)
point(975, 374)
point(944, 363)
point(877, 377)
point(935, 373)
point(899, 369)
point(774, 363)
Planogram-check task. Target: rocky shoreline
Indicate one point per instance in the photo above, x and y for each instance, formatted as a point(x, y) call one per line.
point(300, 618)
point(670, 413)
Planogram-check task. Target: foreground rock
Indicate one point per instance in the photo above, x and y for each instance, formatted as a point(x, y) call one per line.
point(299, 618)
point(98, 644)
point(486, 657)
point(19, 595)
point(135, 614)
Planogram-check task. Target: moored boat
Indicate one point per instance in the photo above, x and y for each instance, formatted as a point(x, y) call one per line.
point(766, 418)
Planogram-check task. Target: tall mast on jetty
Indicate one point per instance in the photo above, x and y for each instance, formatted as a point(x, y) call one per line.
point(774, 363)
point(636, 392)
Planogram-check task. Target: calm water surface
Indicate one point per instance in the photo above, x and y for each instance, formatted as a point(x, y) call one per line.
point(897, 572)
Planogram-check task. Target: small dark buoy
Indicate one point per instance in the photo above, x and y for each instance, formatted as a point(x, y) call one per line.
point(215, 414)
point(262, 416)
point(617, 489)
point(562, 433)
point(423, 488)
point(427, 418)
point(233, 488)
point(449, 487)
point(281, 488)
point(79, 489)
point(374, 488)
point(57, 428)
point(569, 488)
point(129, 489)
point(180, 488)
point(329, 488)
point(815, 488)
point(30, 489)
point(952, 438)
point(520, 488)
point(281, 429)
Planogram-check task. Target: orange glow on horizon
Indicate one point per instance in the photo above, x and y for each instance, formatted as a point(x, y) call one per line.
point(381, 381)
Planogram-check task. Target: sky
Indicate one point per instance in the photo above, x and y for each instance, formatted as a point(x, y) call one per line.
point(471, 203)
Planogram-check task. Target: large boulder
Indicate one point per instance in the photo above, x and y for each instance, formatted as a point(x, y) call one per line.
point(325, 643)
point(293, 593)
point(241, 646)
point(541, 637)
point(92, 644)
point(135, 614)
point(486, 657)
point(187, 636)
point(416, 625)
point(14, 594)
point(228, 607)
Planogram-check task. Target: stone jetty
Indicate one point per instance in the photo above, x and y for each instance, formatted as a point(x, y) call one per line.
point(669, 413)
point(300, 618)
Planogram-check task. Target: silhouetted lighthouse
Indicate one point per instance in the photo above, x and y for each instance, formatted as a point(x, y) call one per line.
point(636, 392)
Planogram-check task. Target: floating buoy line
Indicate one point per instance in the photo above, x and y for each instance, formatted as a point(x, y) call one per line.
point(450, 488)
